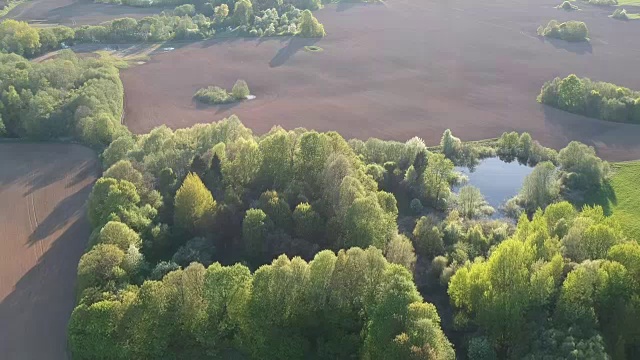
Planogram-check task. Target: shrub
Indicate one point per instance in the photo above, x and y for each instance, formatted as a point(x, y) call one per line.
point(567, 5)
point(620, 14)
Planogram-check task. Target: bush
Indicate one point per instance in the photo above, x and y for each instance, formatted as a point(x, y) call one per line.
point(572, 31)
point(620, 14)
point(567, 5)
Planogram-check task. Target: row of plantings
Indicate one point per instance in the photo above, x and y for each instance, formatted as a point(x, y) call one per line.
point(599, 100)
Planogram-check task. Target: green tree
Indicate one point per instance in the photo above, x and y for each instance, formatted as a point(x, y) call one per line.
point(185, 9)
point(111, 198)
point(450, 145)
point(243, 163)
point(194, 206)
point(366, 223)
point(310, 26)
point(571, 94)
point(18, 37)
point(221, 12)
point(583, 167)
point(435, 183)
point(499, 294)
point(541, 187)
point(119, 234)
point(255, 228)
point(242, 13)
point(240, 90)
point(471, 203)
point(313, 152)
point(276, 209)
point(307, 224)
point(400, 251)
point(277, 168)
point(94, 331)
point(101, 267)
point(427, 238)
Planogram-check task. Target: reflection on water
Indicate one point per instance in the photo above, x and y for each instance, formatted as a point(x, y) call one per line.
point(497, 180)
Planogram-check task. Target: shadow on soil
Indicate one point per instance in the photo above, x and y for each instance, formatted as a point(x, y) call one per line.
point(293, 46)
point(579, 48)
point(35, 314)
point(69, 209)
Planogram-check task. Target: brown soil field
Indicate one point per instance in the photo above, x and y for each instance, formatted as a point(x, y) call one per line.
point(75, 12)
point(43, 233)
point(402, 69)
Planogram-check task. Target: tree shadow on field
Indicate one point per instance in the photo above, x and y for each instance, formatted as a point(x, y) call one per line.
point(346, 5)
point(57, 171)
point(69, 209)
point(294, 45)
point(611, 139)
point(580, 48)
point(218, 107)
point(36, 312)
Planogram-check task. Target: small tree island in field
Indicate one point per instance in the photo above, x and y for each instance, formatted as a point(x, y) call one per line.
point(572, 31)
point(217, 95)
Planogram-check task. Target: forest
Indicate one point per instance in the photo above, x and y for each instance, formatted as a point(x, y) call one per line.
point(215, 242)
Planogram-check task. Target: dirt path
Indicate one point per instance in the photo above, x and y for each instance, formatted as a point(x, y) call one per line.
point(43, 232)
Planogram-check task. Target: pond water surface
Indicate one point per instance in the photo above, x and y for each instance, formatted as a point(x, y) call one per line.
point(497, 180)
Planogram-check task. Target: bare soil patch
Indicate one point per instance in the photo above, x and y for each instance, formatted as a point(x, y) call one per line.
point(75, 12)
point(406, 68)
point(43, 227)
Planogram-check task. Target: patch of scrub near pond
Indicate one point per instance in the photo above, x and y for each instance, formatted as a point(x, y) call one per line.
point(497, 180)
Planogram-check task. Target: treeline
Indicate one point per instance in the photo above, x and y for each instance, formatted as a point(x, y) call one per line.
point(565, 286)
point(207, 5)
point(599, 100)
point(20, 38)
point(66, 97)
point(353, 303)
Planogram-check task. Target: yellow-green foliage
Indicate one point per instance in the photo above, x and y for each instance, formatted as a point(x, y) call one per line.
point(194, 205)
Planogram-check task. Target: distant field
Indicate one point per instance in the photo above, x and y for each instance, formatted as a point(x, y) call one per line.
point(43, 232)
point(74, 12)
point(401, 69)
point(626, 184)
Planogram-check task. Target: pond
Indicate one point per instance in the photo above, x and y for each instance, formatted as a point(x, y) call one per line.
point(497, 180)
